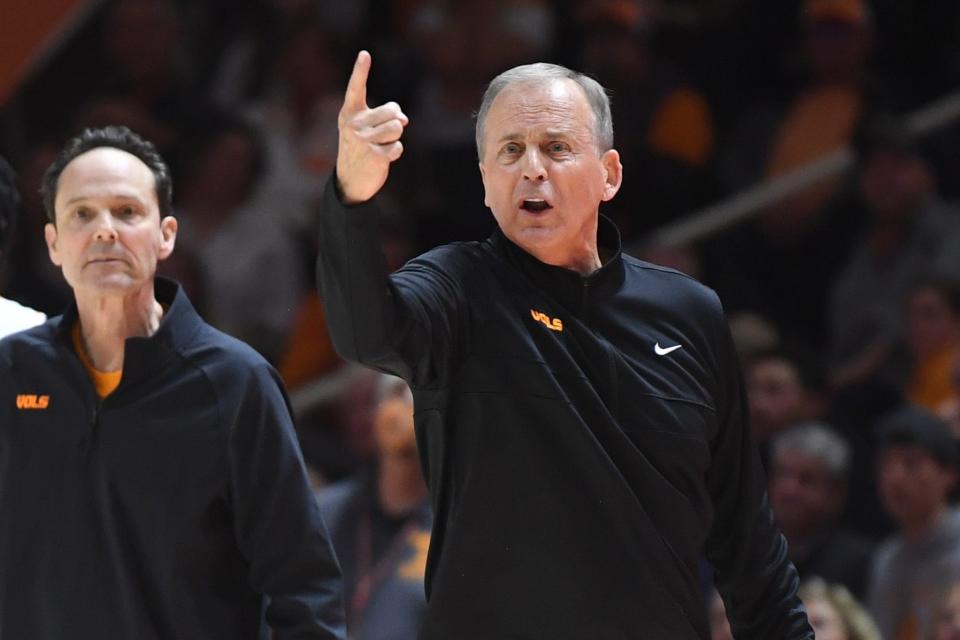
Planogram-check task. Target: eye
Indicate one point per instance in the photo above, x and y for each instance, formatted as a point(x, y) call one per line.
point(558, 147)
point(126, 211)
point(511, 148)
point(83, 213)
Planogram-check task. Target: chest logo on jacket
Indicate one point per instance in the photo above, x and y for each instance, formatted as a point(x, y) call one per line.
point(26, 401)
point(662, 351)
point(554, 324)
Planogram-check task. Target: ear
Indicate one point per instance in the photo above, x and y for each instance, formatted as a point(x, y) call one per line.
point(168, 237)
point(50, 235)
point(612, 173)
point(483, 178)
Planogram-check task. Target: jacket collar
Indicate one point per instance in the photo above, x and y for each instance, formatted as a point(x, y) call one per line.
point(568, 286)
point(144, 356)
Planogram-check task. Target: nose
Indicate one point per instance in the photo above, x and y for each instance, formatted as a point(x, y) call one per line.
point(533, 168)
point(105, 231)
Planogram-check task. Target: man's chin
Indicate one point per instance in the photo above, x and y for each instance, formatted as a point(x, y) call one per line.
point(536, 240)
point(111, 283)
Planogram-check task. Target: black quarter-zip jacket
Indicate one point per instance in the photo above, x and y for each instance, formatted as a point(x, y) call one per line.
point(176, 508)
point(583, 439)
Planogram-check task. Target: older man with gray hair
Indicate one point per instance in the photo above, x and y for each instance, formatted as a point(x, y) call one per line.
point(579, 413)
point(809, 469)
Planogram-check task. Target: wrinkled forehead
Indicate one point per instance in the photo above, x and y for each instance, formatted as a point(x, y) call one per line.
point(106, 172)
point(558, 104)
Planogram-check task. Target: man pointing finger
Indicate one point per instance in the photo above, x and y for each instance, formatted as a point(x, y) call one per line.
point(579, 414)
point(369, 138)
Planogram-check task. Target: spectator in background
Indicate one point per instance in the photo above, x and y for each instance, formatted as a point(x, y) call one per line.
point(835, 614)
point(248, 259)
point(825, 114)
point(146, 79)
point(947, 620)
point(912, 232)
point(917, 471)
point(297, 119)
point(13, 316)
point(379, 522)
point(821, 116)
point(809, 469)
point(798, 244)
point(785, 387)
point(932, 336)
point(664, 123)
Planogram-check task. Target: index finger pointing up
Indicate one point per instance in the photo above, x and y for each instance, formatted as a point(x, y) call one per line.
point(356, 97)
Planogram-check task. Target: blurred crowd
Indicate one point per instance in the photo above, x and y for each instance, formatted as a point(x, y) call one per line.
point(844, 297)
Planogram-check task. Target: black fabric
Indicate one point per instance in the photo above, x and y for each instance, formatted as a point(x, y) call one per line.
point(178, 507)
point(839, 557)
point(574, 473)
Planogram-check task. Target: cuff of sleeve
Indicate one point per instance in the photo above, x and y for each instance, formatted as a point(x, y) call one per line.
point(361, 213)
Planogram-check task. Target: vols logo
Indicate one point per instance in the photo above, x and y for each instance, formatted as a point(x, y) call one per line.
point(554, 324)
point(27, 401)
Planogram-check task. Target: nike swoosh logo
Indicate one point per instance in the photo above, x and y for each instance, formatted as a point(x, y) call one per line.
point(660, 351)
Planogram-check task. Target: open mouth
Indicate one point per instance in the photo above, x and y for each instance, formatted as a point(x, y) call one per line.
point(535, 205)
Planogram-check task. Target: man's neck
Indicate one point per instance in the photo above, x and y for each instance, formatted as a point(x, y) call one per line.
point(400, 485)
point(583, 262)
point(106, 321)
point(588, 265)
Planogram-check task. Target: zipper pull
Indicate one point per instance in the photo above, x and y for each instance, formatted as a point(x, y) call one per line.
point(87, 438)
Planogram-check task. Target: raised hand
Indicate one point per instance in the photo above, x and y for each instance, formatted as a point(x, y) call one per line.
point(369, 138)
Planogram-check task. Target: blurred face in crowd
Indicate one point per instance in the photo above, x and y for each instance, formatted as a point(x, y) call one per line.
point(803, 494)
point(826, 621)
point(543, 174)
point(913, 484)
point(931, 324)
point(108, 235)
point(894, 183)
point(777, 396)
point(947, 621)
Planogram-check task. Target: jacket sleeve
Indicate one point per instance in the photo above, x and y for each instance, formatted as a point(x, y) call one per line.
point(408, 323)
point(754, 575)
point(277, 521)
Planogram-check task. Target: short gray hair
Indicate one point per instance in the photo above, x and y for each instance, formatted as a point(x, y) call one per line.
point(820, 442)
point(541, 73)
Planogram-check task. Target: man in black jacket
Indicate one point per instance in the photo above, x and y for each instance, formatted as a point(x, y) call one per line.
point(579, 414)
point(151, 485)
